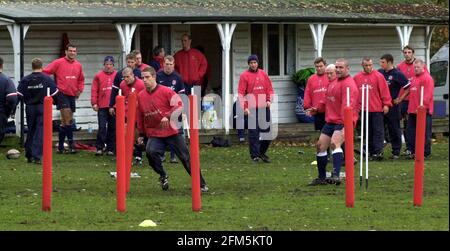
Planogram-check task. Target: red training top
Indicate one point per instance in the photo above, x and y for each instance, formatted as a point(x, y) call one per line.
point(255, 89)
point(417, 82)
point(101, 88)
point(379, 95)
point(153, 106)
point(191, 65)
point(69, 75)
point(336, 100)
point(407, 70)
point(142, 67)
point(138, 86)
point(315, 92)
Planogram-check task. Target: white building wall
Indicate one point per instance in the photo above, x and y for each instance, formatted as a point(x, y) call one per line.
point(240, 46)
point(356, 42)
point(93, 42)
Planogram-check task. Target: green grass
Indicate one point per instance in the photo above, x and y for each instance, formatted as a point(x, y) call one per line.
point(243, 195)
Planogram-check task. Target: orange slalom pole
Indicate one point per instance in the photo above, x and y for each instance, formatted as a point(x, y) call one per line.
point(195, 156)
point(349, 165)
point(120, 145)
point(129, 137)
point(47, 155)
point(419, 155)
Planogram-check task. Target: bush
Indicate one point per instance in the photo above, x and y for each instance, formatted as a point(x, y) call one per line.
point(301, 76)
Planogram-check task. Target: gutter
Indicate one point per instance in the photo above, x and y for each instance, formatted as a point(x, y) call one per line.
point(216, 19)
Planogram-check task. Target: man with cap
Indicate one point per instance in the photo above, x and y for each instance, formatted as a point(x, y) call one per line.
point(254, 93)
point(100, 93)
point(33, 89)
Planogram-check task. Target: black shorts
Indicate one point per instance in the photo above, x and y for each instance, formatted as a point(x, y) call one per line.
point(65, 101)
point(319, 121)
point(328, 129)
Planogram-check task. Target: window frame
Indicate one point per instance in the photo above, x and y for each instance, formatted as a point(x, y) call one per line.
point(282, 74)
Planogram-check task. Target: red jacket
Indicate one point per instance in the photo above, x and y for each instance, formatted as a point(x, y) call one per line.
point(336, 100)
point(408, 71)
point(315, 92)
point(69, 75)
point(101, 88)
point(153, 106)
point(138, 85)
point(417, 82)
point(191, 65)
point(258, 85)
point(379, 95)
point(142, 67)
point(160, 60)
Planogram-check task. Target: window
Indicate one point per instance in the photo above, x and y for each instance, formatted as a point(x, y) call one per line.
point(438, 71)
point(257, 42)
point(289, 49)
point(164, 38)
point(273, 48)
point(276, 44)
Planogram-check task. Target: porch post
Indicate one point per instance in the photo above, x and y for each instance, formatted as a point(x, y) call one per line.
point(318, 33)
point(126, 32)
point(404, 32)
point(428, 33)
point(18, 33)
point(226, 33)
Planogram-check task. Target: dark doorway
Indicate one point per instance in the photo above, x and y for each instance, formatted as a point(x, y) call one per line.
point(207, 37)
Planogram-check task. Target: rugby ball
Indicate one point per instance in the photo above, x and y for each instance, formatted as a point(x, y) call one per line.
point(13, 154)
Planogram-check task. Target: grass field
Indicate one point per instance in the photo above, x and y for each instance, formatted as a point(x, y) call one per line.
point(243, 195)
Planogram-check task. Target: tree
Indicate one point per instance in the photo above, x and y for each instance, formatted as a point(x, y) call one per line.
point(440, 34)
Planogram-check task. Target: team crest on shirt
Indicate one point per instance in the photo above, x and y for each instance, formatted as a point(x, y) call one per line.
point(174, 82)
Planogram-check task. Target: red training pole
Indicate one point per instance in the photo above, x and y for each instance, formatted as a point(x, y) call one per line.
point(195, 156)
point(120, 149)
point(47, 155)
point(129, 137)
point(419, 155)
point(349, 165)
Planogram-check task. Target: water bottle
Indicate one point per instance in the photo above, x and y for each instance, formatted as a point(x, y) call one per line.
point(90, 127)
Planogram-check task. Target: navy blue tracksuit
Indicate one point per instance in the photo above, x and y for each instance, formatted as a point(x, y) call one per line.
point(8, 101)
point(33, 89)
point(258, 143)
point(106, 130)
point(395, 80)
point(376, 132)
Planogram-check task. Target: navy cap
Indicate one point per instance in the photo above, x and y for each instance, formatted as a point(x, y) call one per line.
point(252, 58)
point(109, 59)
